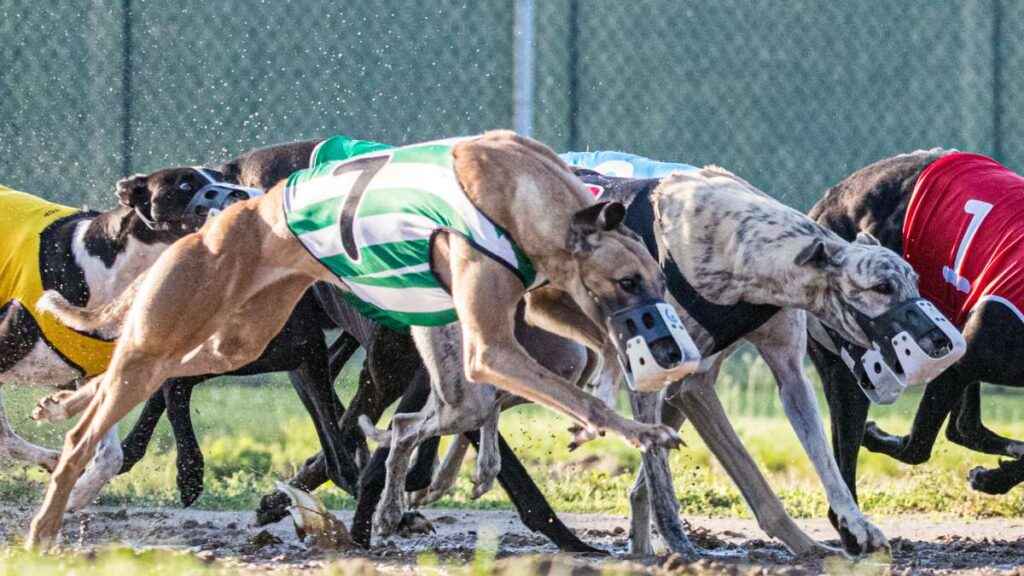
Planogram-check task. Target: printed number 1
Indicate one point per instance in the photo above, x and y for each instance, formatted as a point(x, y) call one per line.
point(368, 168)
point(978, 211)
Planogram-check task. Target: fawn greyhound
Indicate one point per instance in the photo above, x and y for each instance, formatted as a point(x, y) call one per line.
point(250, 268)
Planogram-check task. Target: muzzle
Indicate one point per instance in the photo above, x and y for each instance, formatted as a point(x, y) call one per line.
point(911, 344)
point(654, 347)
point(211, 199)
point(216, 195)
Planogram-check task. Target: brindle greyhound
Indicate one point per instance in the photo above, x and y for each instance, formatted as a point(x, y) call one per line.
point(249, 293)
point(707, 223)
point(875, 199)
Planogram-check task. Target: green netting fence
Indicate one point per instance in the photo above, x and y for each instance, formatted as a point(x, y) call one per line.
point(791, 94)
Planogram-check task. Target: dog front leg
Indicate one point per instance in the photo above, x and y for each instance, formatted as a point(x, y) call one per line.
point(783, 352)
point(485, 295)
point(661, 493)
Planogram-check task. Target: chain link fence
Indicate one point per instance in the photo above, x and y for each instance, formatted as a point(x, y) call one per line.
point(792, 94)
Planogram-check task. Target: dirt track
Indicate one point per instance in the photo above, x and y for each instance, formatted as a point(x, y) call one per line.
point(920, 544)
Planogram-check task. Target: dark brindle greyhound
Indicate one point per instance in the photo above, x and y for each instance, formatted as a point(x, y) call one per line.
point(955, 260)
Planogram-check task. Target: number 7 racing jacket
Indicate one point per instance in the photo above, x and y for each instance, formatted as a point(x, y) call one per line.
point(371, 219)
point(964, 234)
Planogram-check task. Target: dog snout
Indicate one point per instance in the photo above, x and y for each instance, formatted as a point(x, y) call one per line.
point(666, 352)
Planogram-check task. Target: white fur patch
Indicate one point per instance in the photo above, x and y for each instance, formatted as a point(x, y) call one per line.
point(104, 283)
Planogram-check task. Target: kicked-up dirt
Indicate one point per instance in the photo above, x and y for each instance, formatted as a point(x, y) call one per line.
point(920, 545)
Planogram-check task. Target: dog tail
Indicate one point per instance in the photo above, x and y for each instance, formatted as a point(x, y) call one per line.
point(104, 320)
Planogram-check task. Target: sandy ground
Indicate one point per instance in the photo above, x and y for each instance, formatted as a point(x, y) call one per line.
point(920, 545)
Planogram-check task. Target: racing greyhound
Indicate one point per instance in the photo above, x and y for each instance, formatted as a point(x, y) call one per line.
point(956, 218)
point(89, 258)
point(763, 301)
point(391, 364)
point(522, 187)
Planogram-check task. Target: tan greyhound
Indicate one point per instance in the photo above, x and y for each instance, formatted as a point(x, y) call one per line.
point(214, 299)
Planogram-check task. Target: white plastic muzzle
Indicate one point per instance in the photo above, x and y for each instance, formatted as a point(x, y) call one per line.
point(639, 331)
point(911, 344)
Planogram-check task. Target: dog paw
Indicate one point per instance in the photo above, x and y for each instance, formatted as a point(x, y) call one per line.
point(48, 460)
point(581, 435)
point(1015, 450)
point(414, 524)
point(647, 436)
point(861, 537)
point(51, 408)
point(381, 437)
point(273, 507)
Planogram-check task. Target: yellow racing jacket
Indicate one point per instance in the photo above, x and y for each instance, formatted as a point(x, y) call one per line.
point(23, 218)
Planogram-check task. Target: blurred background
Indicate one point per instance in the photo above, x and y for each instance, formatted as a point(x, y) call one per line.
point(792, 95)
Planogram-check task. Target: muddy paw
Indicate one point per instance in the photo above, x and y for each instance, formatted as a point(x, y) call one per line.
point(51, 408)
point(413, 524)
point(861, 537)
point(48, 460)
point(273, 507)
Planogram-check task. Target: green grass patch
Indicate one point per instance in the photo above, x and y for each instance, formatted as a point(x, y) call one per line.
point(255, 434)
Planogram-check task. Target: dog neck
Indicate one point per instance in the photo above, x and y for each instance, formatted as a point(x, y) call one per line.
point(90, 258)
point(735, 244)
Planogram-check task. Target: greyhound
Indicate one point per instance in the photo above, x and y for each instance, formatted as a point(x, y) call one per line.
point(877, 199)
point(247, 295)
point(299, 347)
point(89, 258)
point(712, 231)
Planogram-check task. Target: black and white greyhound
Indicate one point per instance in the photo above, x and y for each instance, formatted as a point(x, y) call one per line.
point(88, 257)
point(875, 199)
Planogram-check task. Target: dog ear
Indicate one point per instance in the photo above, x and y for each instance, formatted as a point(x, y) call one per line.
point(133, 190)
point(592, 220)
point(820, 253)
point(867, 239)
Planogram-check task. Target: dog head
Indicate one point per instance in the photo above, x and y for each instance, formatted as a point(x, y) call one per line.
point(159, 199)
point(621, 288)
point(176, 201)
point(862, 280)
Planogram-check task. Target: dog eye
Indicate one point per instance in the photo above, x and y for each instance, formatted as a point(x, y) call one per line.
point(185, 187)
point(629, 284)
point(885, 288)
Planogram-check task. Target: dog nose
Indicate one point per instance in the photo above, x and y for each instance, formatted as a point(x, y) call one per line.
point(666, 352)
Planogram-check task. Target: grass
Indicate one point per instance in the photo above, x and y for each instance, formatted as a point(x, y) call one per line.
point(252, 435)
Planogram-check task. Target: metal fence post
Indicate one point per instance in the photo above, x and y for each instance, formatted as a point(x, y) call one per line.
point(126, 88)
point(524, 67)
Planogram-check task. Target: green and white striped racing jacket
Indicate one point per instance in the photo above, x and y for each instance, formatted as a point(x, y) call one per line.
point(371, 218)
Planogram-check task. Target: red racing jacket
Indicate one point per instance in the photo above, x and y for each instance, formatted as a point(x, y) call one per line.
point(964, 234)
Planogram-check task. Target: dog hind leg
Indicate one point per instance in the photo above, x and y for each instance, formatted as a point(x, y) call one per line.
point(488, 460)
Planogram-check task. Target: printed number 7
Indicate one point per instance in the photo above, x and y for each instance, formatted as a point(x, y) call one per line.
point(978, 211)
point(368, 168)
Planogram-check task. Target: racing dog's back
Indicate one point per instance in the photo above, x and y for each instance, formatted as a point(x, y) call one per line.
point(964, 235)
